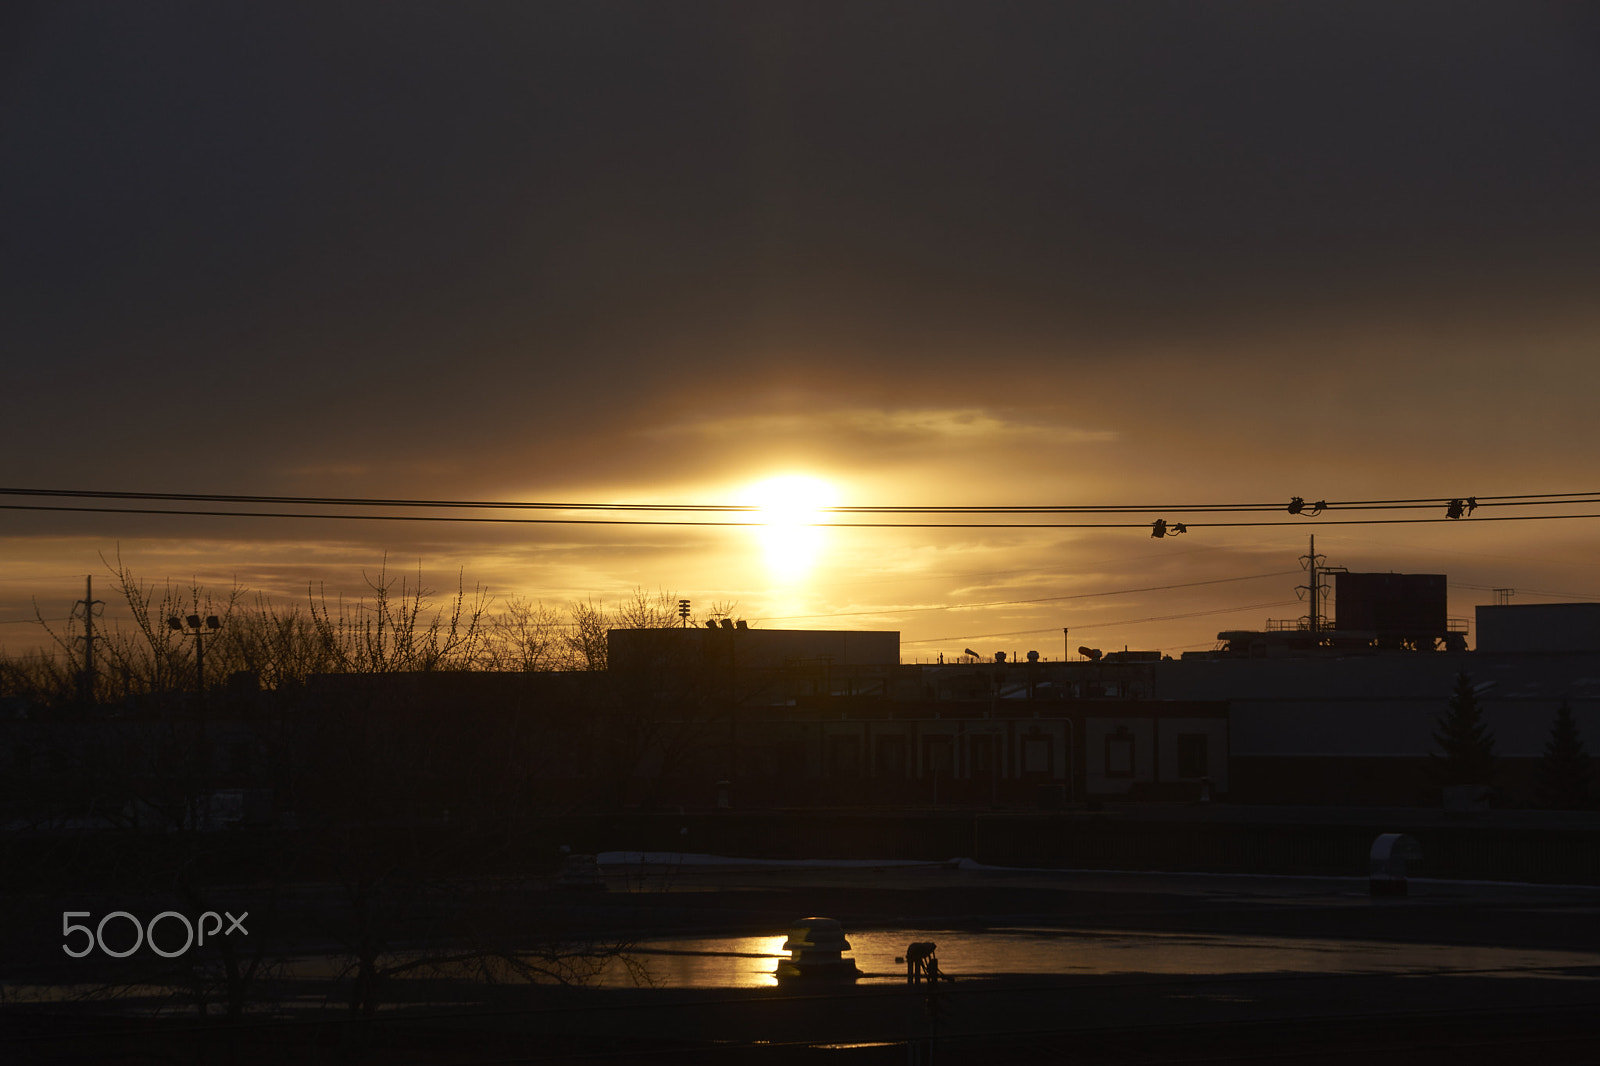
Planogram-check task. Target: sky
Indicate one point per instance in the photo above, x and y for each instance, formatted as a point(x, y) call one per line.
point(940, 254)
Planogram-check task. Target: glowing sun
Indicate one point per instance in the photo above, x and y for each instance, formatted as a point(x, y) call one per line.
point(790, 507)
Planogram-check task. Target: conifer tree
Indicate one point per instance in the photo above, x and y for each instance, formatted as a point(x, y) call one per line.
point(1466, 747)
point(1564, 769)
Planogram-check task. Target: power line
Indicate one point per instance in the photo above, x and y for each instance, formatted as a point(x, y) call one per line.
point(1107, 625)
point(593, 506)
point(185, 512)
point(1192, 526)
point(1524, 499)
point(1521, 590)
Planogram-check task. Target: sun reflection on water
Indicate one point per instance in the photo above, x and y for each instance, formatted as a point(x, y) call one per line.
point(750, 962)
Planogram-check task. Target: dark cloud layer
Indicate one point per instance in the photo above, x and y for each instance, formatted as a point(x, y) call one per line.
point(402, 232)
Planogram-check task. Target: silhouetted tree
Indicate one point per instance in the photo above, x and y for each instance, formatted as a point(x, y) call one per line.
point(402, 631)
point(584, 645)
point(524, 637)
point(1564, 769)
point(1466, 755)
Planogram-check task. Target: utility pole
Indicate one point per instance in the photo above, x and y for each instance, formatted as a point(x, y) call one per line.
point(1313, 589)
point(88, 603)
point(1311, 562)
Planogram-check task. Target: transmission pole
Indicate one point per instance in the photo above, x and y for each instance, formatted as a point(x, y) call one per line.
point(88, 603)
point(1314, 589)
point(1311, 561)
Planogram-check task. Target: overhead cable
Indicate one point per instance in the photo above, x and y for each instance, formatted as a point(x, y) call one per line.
point(1106, 625)
point(1013, 603)
point(1415, 503)
point(485, 519)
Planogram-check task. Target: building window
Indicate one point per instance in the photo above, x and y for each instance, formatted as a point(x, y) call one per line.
point(937, 755)
point(1192, 755)
point(1035, 755)
point(1119, 755)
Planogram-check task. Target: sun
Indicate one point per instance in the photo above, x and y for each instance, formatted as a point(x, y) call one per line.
point(791, 505)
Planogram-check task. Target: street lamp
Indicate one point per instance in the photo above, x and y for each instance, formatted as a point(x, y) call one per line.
point(192, 626)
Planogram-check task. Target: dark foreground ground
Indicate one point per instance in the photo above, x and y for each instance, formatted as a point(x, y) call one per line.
point(1520, 982)
point(1562, 1036)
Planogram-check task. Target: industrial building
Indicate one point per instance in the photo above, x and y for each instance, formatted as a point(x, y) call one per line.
point(1312, 712)
point(1342, 714)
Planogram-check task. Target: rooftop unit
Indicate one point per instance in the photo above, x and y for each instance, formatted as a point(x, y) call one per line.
point(1391, 605)
point(1539, 627)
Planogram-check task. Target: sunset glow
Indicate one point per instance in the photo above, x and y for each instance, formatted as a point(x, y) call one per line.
point(790, 506)
point(667, 283)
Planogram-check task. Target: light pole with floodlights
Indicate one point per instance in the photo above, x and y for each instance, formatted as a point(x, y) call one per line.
point(194, 626)
point(197, 630)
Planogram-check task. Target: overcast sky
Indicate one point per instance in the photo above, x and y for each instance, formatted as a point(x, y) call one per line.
point(956, 253)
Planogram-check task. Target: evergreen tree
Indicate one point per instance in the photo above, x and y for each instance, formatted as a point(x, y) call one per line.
point(1466, 755)
point(1564, 770)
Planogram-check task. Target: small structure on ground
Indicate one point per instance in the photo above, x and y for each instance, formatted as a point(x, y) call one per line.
point(1387, 863)
point(816, 949)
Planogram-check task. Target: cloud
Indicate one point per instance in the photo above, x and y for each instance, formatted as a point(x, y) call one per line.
point(330, 470)
point(906, 428)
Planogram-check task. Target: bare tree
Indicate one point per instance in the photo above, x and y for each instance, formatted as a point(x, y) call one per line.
point(585, 643)
point(525, 637)
point(401, 630)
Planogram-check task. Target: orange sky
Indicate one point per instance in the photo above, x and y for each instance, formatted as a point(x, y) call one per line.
point(979, 255)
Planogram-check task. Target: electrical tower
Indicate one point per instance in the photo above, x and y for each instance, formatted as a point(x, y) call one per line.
point(1311, 562)
point(88, 604)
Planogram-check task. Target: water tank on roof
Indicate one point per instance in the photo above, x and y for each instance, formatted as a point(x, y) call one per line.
point(1391, 604)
